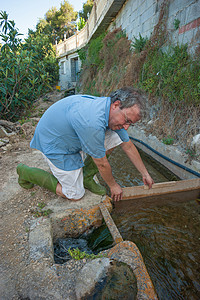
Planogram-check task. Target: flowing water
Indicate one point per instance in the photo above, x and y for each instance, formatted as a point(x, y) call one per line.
point(166, 230)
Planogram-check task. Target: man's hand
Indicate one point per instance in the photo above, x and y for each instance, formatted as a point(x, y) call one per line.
point(116, 192)
point(148, 180)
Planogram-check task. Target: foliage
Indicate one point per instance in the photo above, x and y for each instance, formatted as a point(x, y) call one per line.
point(39, 212)
point(87, 7)
point(173, 75)
point(58, 22)
point(139, 43)
point(168, 140)
point(99, 57)
point(81, 23)
point(27, 69)
point(77, 254)
point(176, 23)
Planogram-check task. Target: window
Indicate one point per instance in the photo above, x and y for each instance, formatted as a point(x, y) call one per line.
point(62, 67)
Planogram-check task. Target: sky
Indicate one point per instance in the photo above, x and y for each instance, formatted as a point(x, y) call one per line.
point(26, 13)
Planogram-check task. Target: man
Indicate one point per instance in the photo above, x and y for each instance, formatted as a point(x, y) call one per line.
point(85, 124)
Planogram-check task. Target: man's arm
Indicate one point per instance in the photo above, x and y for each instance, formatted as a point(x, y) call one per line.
point(106, 173)
point(135, 158)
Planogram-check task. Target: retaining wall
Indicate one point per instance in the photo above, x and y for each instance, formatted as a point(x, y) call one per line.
point(134, 17)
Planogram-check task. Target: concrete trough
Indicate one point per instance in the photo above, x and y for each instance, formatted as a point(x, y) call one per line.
point(65, 222)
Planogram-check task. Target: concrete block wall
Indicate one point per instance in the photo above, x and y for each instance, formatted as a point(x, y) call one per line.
point(137, 16)
point(140, 16)
point(188, 13)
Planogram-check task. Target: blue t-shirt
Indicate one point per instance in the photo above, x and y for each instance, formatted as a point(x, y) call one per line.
point(73, 124)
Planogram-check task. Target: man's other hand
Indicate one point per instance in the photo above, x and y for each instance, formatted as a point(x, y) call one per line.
point(148, 180)
point(116, 192)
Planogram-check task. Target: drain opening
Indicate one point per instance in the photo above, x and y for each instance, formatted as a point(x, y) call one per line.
point(98, 240)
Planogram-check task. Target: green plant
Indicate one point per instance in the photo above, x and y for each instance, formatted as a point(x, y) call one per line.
point(172, 75)
point(42, 213)
point(191, 153)
point(39, 212)
point(41, 205)
point(27, 69)
point(77, 254)
point(168, 140)
point(139, 43)
point(176, 23)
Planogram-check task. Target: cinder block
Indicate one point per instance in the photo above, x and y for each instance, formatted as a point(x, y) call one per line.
point(178, 5)
point(187, 36)
point(148, 25)
point(143, 7)
point(133, 16)
point(134, 5)
point(192, 12)
point(147, 14)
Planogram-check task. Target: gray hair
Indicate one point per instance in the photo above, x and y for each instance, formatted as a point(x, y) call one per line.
point(129, 97)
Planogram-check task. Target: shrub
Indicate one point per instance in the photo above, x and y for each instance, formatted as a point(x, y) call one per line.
point(173, 75)
point(27, 70)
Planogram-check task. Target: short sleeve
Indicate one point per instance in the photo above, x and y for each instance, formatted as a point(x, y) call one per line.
point(123, 134)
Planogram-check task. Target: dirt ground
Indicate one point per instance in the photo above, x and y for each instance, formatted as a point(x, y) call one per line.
point(17, 204)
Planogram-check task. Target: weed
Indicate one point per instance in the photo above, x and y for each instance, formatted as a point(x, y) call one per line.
point(168, 140)
point(139, 43)
point(176, 23)
point(41, 205)
point(39, 212)
point(23, 120)
point(191, 153)
point(33, 194)
point(172, 75)
point(42, 213)
point(77, 254)
point(27, 230)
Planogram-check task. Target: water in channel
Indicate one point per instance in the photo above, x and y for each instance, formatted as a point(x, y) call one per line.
point(166, 230)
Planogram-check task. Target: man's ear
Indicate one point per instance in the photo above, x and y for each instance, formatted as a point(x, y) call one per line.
point(116, 104)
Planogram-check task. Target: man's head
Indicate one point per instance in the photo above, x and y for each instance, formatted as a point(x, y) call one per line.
point(127, 107)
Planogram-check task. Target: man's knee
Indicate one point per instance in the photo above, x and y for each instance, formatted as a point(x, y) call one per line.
point(60, 193)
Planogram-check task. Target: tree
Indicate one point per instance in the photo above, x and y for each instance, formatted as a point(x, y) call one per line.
point(87, 7)
point(58, 22)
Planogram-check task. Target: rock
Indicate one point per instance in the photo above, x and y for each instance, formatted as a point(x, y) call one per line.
point(93, 272)
point(196, 143)
point(6, 132)
point(4, 141)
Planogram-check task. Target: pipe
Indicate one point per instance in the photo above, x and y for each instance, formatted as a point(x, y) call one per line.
point(165, 157)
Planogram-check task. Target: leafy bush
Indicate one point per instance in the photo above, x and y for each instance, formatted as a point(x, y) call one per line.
point(27, 70)
point(173, 75)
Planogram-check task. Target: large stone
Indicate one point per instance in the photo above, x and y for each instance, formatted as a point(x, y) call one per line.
point(93, 272)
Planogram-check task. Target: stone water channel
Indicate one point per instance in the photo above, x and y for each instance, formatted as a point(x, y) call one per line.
point(166, 232)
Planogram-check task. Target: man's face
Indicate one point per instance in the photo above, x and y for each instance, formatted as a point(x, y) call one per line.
point(123, 118)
